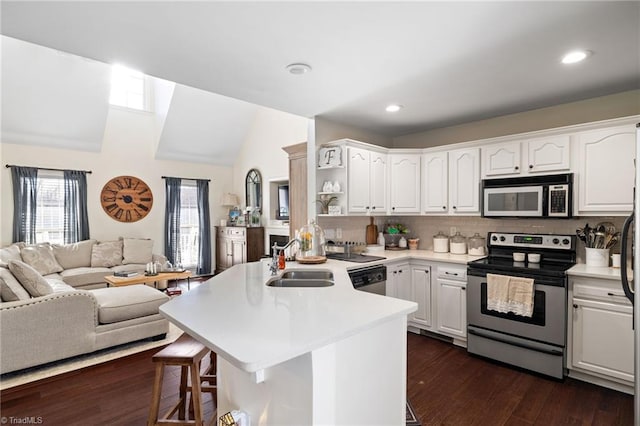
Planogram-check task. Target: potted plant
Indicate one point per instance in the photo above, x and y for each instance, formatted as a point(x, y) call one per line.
point(325, 201)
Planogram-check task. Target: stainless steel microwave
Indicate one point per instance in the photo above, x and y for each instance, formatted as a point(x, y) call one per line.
point(549, 196)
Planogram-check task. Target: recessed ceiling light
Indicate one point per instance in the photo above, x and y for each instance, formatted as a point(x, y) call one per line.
point(393, 108)
point(575, 56)
point(298, 69)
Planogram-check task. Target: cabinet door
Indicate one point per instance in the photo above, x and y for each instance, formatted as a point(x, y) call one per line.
point(435, 183)
point(378, 182)
point(603, 338)
point(405, 183)
point(358, 180)
point(399, 281)
point(238, 252)
point(464, 181)
point(421, 294)
point(221, 253)
point(452, 308)
point(501, 159)
point(606, 170)
point(549, 154)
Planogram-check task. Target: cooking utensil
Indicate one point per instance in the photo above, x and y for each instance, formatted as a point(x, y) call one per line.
point(372, 233)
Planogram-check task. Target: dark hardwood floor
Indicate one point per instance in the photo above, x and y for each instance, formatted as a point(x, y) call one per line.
point(446, 386)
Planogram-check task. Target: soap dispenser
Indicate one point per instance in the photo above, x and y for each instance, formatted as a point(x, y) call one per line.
point(381, 239)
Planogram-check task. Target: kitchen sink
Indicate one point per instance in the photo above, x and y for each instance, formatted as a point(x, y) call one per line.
point(298, 282)
point(308, 274)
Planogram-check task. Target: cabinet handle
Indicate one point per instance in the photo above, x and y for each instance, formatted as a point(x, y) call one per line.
point(451, 273)
point(444, 207)
point(400, 271)
point(373, 208)
point(575, 306)
point(517, 168)
point(454, 207)
point(426, 271)
point(367, 207)
point(393, 208)
point(531, 166)
point(464, 288)
point(617, 295)
point(395, 272)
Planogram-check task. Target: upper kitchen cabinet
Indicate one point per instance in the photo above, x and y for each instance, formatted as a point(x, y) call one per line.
point(605, 170)
point(464, 181)
point(405, 183)
point(516, 158)
point(435, 183)
point(366, 181)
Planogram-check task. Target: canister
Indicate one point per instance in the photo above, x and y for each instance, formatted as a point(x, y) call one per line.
point(440, 243)
point(477, 245)
point(458, 244)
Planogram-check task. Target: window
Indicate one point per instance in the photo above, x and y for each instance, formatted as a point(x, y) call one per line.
point(129, 89)
point(189, 225)
point(50, 208)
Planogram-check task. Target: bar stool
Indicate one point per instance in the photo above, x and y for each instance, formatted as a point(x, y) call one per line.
point(187, 353)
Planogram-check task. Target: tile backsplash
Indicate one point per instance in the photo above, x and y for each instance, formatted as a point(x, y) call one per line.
point(425, 227)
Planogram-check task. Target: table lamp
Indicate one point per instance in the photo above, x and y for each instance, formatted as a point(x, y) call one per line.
point(231, 200)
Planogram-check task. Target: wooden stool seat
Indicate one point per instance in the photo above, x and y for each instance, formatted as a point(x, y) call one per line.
point(187, 353)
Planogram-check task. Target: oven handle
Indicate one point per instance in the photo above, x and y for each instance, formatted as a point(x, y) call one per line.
point(505, 339)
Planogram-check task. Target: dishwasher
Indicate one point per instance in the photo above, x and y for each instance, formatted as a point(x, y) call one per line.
point(371, 279)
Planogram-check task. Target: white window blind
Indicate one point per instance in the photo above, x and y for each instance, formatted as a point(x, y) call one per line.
point(50, 208)
point(189, 229)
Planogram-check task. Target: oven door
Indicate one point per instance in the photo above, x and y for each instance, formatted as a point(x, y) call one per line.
point(513, 201)
point(547, 324)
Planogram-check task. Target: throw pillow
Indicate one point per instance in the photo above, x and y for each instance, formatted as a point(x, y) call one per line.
point(137, 250)
point(11, 252)
point(30, 279)
point(76, 255)
point(40, 257)
point(106, 254)
point(10, 287)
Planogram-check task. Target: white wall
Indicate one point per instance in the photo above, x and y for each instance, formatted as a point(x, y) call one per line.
point(270, 131)
point(128, 148)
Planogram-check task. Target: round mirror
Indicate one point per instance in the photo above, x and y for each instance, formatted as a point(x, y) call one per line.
point(254, 189)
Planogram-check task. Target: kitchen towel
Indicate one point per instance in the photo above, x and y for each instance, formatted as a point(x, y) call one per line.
point(510, 294)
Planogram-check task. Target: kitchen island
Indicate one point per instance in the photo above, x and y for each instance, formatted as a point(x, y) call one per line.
point(293, 356)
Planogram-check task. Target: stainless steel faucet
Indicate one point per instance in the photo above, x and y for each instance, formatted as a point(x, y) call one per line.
point(276, 249)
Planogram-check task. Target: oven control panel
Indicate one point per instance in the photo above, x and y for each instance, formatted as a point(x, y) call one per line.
point(550, 241)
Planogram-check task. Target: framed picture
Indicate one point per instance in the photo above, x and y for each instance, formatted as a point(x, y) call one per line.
point(335, 210)
point(330, 156)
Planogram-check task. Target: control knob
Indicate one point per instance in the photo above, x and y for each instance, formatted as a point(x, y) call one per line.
point(556, 241)
point(502, 238)
point(566, 241)
point(494, 238)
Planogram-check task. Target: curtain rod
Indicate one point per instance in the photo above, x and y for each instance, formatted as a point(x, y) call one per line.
point(173, 177)
point(45, 168)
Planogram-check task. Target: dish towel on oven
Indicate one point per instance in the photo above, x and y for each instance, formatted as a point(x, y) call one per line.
point(510, 294)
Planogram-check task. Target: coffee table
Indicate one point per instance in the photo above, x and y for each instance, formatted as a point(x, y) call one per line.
point(141, 278)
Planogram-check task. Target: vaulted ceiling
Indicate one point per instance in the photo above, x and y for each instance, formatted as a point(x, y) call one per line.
point(446, 62)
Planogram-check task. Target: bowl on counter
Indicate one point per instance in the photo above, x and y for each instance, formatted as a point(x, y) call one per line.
point(518, 257)
point(533, 257)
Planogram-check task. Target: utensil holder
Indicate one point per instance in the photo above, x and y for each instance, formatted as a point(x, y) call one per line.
point(597, 257)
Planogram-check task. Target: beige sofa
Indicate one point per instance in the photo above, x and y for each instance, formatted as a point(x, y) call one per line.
point(44, 319)
point(84, 265)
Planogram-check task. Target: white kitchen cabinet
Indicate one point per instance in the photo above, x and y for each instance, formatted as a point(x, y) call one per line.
point(600, 333)
point(452, 301)
point(533, 156)
point(501, 159)
point(605, 170)
point(464, 181)
point(435, 182)
point(404, 183)
point(399, 281)
point(235, 245)
point(366, 181)
point(422, 295)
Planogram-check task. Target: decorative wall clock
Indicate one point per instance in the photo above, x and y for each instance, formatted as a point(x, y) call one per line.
point(126, 198)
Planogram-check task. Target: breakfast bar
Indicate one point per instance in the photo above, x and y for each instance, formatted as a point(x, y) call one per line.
point(300, 355)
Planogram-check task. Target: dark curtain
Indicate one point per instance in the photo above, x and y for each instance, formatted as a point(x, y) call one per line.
point(76, 218)
point(204, 232)
point(25, 183)
point(172, 220)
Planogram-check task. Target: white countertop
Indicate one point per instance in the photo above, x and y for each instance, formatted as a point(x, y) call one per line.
point(584, 270)
point(254, 326)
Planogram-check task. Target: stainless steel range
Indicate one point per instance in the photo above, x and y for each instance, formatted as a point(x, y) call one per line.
point(536, 343)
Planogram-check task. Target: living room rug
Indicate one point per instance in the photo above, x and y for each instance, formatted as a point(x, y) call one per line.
point(29, 375)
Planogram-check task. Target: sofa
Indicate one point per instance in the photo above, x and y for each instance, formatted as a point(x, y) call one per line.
point(50, 317)
point(84, 265)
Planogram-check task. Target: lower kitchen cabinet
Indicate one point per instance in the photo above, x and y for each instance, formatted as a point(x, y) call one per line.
point(600, 333)
point(452, 301)
point(421, 294)
point(235, 245)
point(399, 281)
